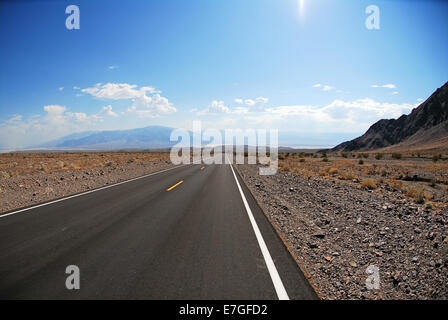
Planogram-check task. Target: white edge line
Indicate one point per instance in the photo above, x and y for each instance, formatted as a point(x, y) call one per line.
point(94, 190)
point(275, 277)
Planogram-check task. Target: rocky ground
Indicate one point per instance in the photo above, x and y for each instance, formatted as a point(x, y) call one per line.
point(337, 229)
point(20, 187)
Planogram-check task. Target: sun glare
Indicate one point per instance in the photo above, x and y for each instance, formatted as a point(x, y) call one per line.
point(301, 9)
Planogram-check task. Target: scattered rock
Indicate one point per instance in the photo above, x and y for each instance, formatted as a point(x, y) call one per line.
point(319, 235)
point(345, 230)
point(312, 245)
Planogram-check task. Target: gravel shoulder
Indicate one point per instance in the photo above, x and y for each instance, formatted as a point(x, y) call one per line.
point(336, 230)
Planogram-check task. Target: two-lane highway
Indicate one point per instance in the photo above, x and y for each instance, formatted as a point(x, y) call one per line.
point(191, 232)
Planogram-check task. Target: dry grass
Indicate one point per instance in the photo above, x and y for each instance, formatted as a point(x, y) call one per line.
point(387, 171)
point(417, 193)
point(368, 184)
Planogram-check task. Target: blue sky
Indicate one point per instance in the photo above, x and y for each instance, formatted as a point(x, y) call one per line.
point(309, 68)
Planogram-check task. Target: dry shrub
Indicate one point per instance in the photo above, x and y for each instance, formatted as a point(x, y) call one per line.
point(333, 171)
point(286, 167)
point(44, 168)
point(347, 176)
point(368, 184)
point(74, 166)
point(428, 196)
point(396, 185)
point(417, 193)
point(60, 164)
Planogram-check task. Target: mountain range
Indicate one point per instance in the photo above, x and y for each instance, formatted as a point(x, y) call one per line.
point(140, 138)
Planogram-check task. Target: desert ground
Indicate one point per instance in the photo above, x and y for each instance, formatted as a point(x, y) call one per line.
point(31, 178)
point(340, 213)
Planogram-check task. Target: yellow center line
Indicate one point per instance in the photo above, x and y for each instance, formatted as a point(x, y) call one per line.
point(202, 168)
point(171, 188)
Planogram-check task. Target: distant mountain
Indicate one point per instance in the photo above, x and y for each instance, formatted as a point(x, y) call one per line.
point(141, 138)
point(72, 136)
point(425, 128)
point(152, 137)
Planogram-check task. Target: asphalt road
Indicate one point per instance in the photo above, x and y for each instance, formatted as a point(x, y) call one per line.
point(137, 240)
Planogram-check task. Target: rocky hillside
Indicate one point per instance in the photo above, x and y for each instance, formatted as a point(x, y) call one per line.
point(429, 120)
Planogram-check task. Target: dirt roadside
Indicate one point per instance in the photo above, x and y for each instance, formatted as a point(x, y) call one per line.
point(337, 230)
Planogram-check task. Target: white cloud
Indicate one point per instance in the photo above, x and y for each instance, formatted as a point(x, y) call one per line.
point(55, 114)
point(151, 106)
point(113, 91)
point(112, 67)
point(395, 92)
point(61, 88)
point(389, 86)
point(146, 101)
point(107, 110)
point(14, 118)
point(76, 88)
point(216, 107)
point(340, 115)
point(252, 105)
point(324, 87)
point(246, 106)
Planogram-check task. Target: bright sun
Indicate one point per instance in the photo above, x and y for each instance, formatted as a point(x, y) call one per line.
point(301, 8)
